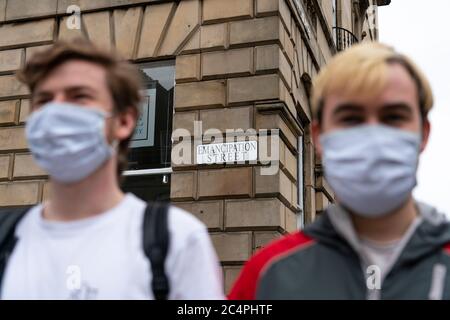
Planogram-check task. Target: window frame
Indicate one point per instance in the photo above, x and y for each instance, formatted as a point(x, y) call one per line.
point(164, 170)
point(300, 183)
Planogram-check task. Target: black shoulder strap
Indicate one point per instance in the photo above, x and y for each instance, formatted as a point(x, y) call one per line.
point(8, 223)
point(156, 245)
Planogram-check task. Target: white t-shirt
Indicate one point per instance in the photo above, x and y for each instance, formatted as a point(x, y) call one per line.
point(383, 255)
point(102, 257)
point(379, 254)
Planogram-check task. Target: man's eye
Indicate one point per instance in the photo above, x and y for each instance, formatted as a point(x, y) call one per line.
point(394, 118)
point(81, 96)
point(41, 102)
point(351, 120)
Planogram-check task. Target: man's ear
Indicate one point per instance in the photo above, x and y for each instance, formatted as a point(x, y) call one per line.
point(315, 130)
point(426, 129)
point(125, 123)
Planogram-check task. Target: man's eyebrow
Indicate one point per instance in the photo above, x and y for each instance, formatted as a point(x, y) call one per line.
point(68, 89)
point(347, 107)
point(397, 106)
point(79, 88)
point(42, 93)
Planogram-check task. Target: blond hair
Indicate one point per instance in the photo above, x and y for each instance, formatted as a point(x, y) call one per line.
point(362, 70)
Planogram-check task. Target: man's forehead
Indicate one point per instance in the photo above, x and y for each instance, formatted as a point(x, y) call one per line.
point(349, 99)
point(399, 88)
point(400, 81)
point(74, 73)
point(377, 102)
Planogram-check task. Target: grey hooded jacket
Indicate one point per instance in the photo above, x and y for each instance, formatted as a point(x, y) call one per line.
point(325, 261)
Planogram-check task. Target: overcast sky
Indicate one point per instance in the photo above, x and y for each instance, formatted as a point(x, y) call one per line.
point(419, 29)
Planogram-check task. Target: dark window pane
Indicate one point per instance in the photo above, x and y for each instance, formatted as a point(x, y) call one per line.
point(151, 143)
point(152, 187)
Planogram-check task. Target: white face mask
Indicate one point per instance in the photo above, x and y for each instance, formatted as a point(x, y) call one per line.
point(371, 168)
point(68, 141)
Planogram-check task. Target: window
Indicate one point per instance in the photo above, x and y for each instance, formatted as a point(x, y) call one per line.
point(148, 174)
point(301, 184)
point(335, 22)
point(334, 12)
point(300, 5)
point(311, 12)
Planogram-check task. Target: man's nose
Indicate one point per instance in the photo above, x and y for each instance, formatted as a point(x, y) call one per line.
point(59, 97)
point(373, 120)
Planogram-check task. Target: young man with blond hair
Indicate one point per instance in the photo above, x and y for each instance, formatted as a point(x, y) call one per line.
point(371, 108)
point(90, 240)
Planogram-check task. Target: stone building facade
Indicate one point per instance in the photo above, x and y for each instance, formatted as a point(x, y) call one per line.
point(227, 64)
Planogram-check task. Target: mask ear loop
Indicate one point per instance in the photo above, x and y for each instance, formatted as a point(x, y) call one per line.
point(114, 145)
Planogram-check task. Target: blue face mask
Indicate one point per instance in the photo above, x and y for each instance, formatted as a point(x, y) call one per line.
point(371, 168)
point(68, 141)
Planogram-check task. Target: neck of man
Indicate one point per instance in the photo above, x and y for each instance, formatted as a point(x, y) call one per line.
point(92, 196)
point(387, 228)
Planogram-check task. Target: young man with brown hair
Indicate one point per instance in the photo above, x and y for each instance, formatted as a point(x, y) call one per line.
point(371, 105)
point(90, 240)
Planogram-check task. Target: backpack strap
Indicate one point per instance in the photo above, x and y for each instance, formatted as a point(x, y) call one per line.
point(8, 223)
point(156, 246)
